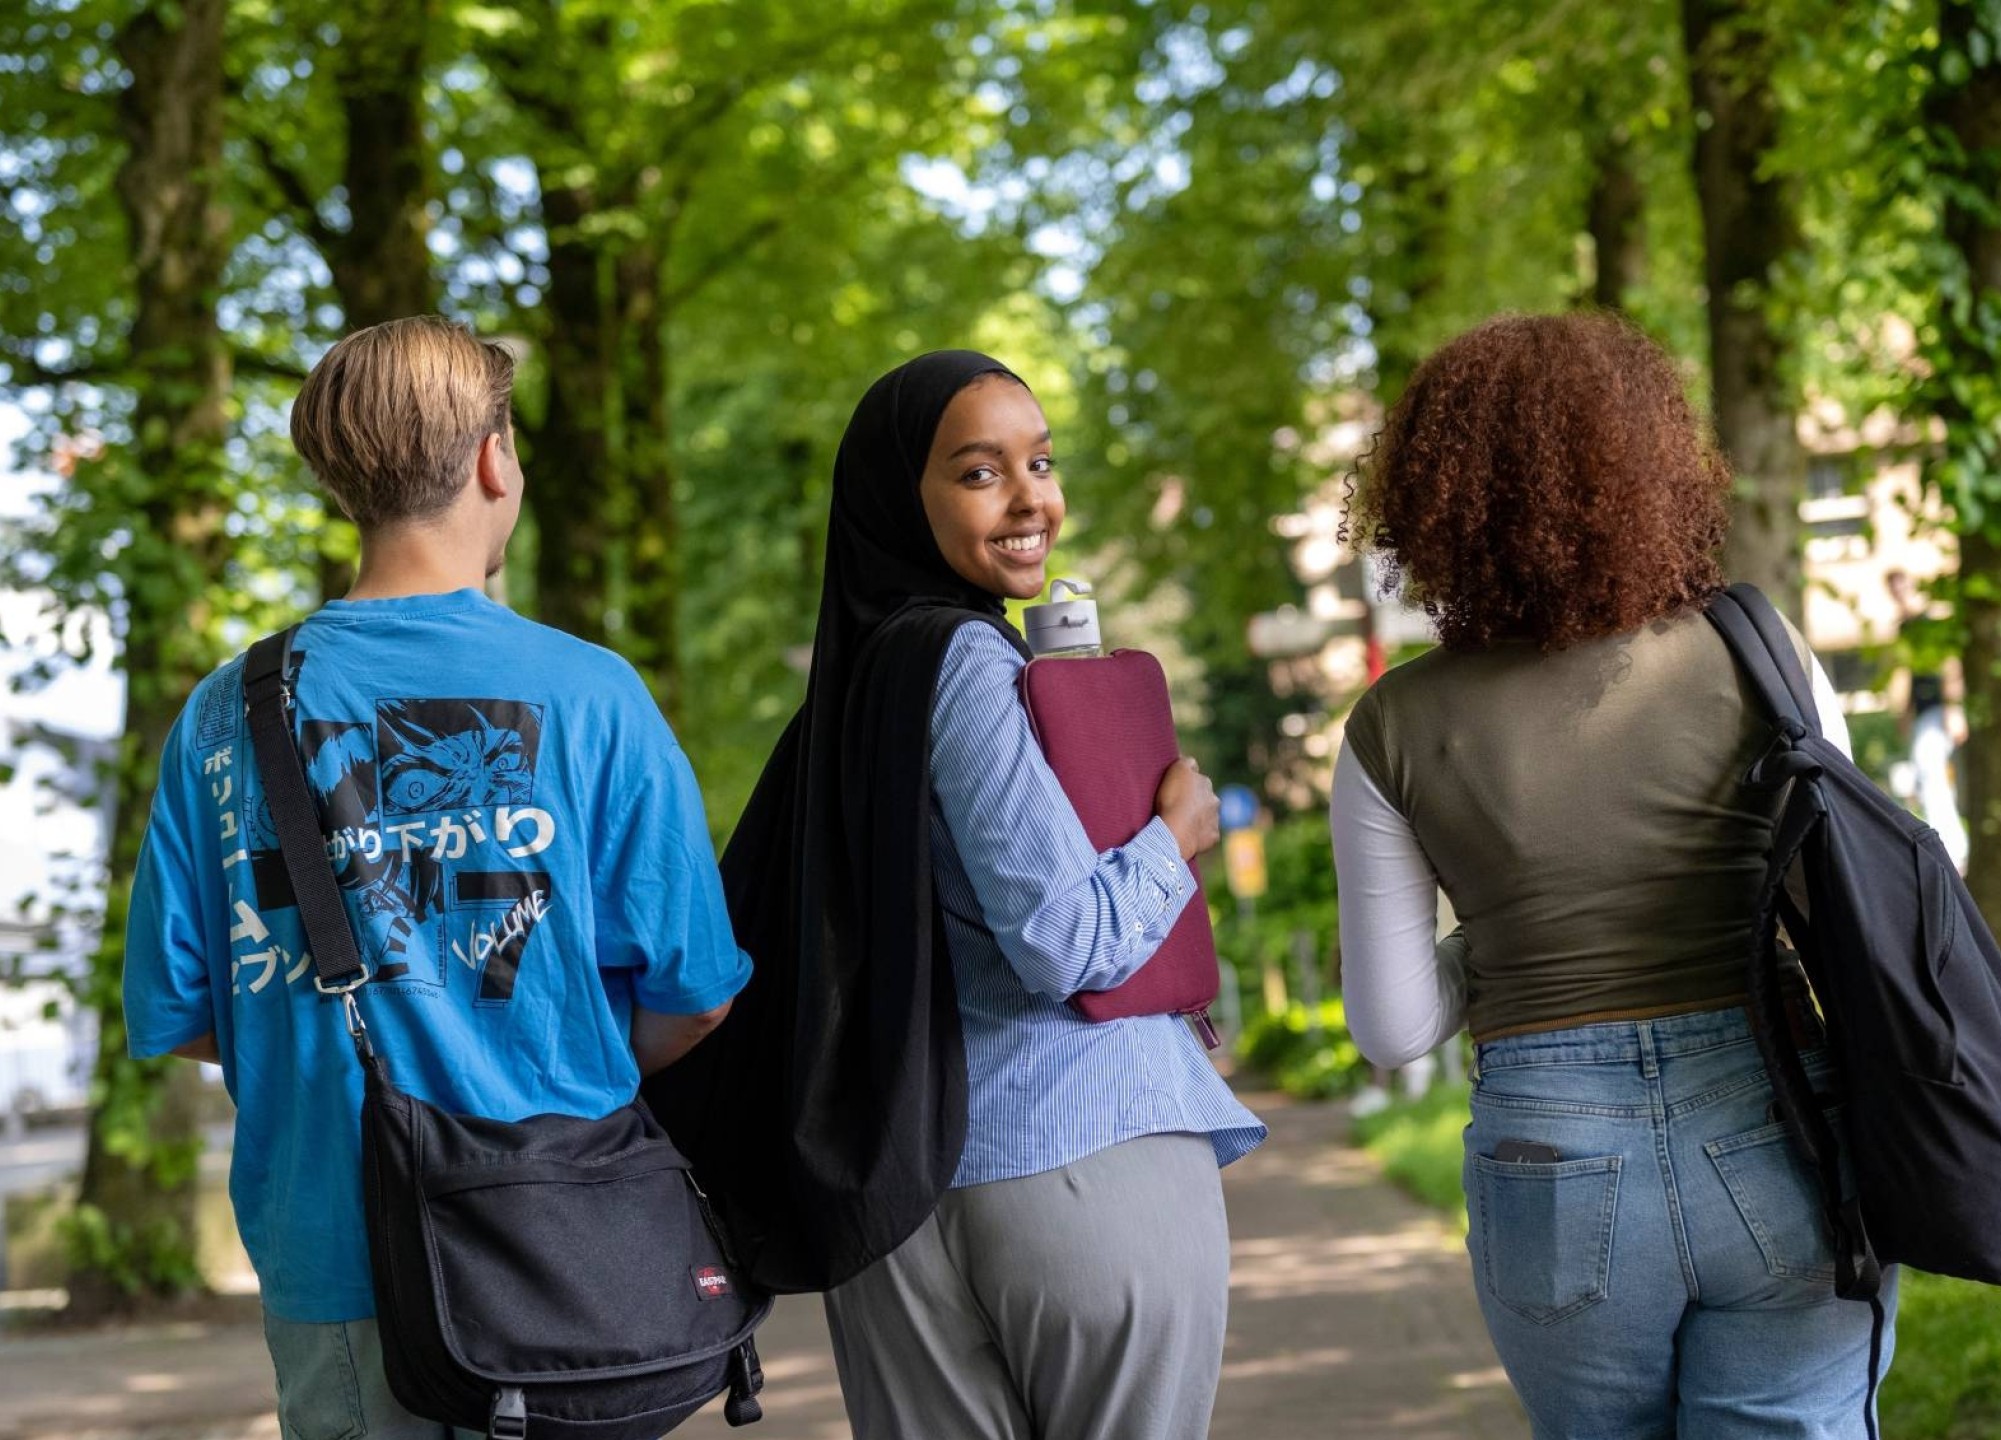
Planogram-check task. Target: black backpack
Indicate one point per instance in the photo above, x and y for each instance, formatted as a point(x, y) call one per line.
point(1907, 977)
point(553, 1278)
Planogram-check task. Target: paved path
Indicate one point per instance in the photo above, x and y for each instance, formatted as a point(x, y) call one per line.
point(1352, 1314)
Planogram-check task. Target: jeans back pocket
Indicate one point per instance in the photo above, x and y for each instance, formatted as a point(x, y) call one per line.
point(1545, 1233)
point(1779, 1200)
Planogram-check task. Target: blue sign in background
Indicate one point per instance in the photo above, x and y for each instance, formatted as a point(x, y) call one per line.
point(1239, 807)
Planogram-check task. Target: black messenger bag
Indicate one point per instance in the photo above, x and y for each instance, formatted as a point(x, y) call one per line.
point(553, 1278)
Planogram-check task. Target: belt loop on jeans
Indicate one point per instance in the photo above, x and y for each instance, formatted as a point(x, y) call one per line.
point(1650, 1063)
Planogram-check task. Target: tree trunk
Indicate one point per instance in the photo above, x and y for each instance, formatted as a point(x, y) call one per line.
point(654, 639)
point(1749, 227)
point(572, 492)
point(382, 265)
point(381, 262)
point(133, 1235)
point(1613, 217)
point(1417, 193)
point(1966, 109)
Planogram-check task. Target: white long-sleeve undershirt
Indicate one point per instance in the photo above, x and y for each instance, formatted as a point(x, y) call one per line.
point(1404, 989)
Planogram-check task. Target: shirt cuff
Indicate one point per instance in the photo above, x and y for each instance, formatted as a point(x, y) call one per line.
point(1165, 879)
point(681, 1000)
point(147, 1044)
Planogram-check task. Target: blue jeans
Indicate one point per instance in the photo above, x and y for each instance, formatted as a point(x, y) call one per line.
point(1667, 1274)
point(331, 1385)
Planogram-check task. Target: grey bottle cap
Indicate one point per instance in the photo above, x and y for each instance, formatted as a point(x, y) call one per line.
point(1068, 622)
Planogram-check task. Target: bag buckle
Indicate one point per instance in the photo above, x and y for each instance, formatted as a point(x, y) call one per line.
point(357, 1031)
point(508, 1419)
point(347, 987)
point(746, 1379)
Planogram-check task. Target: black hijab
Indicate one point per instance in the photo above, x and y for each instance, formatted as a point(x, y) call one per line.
point(828, 1111)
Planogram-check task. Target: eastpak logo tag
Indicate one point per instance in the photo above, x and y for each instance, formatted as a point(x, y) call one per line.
point(712, 1282)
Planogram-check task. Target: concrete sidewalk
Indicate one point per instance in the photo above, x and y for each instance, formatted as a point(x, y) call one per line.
point(1352, 1314)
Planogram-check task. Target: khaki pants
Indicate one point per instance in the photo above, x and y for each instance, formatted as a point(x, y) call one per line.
point(1085, 1303)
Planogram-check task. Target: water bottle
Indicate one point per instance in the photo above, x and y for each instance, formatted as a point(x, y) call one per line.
point(1067, 626)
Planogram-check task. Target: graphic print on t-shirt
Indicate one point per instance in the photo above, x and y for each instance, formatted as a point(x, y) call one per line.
point(401, 892)
point(437, 754)
point(424, 806)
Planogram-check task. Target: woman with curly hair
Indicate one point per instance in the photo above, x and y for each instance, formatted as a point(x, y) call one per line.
point(1567, 766)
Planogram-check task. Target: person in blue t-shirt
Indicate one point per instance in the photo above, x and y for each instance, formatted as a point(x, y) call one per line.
point(517, 835)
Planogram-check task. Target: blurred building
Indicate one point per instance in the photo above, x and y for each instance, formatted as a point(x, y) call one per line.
point(59, 723)
point(1865, 516)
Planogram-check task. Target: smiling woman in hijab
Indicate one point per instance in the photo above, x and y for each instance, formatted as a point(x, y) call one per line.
point(1016, 1212)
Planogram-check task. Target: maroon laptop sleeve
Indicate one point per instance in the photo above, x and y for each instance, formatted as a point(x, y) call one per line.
point(1107, 729)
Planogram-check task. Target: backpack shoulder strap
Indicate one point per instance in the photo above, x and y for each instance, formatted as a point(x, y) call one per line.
point(267, 695)
point(1764, 651)
point(1765, 654)
point(1858, 1272)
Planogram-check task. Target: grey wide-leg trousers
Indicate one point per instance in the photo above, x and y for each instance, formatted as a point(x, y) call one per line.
point(1084, 1303)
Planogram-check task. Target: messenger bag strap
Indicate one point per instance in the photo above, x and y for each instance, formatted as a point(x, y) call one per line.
point(267, 694)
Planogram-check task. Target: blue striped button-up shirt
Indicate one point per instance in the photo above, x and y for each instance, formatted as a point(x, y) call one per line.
point(1034, 914)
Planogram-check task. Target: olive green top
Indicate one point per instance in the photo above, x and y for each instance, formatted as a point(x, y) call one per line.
point(1585, 814)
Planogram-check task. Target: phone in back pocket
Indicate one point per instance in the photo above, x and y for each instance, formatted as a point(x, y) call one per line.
point(1526, 1152)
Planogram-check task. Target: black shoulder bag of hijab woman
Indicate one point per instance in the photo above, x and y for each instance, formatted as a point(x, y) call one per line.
point(554, 1277)
point(829, 1108)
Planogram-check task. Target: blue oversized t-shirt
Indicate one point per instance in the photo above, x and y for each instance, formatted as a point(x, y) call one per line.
point(524, 857)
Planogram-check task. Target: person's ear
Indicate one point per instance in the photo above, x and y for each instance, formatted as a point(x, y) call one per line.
point(492, 469)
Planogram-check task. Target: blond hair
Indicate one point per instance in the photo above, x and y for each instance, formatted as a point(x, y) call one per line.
point(392, 417)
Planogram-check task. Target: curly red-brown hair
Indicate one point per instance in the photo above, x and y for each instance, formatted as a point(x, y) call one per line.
point(1543, 478)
